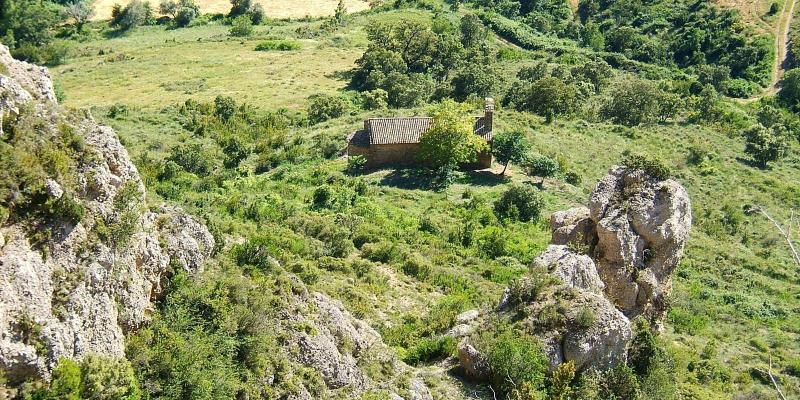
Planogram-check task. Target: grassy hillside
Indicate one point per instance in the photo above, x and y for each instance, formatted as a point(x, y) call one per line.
point(736, 305)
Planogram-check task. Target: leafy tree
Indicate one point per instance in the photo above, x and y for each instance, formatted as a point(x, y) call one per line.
point(598, 73)
point(80, 12)
point(790, 88)
point(29, 22)
point(136, 13)
point(551, 97)
point(168, 7)
point(766, 145)
point(473, 33)
point(475, 79)
point(510, 147)
point(633, 102)
point(242, 26)
point(451, 140)
point(239, 7)
point(340, 14)
point(183, 12)
point(519, 203)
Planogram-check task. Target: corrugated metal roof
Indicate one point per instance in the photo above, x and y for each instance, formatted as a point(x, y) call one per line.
point(409, 130)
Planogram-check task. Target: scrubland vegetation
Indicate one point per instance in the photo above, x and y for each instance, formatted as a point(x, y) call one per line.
point(242, 120)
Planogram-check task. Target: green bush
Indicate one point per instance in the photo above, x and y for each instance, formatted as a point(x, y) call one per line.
point(242, 26)
point(650, 165)
point(766, 145)
point(356, 163)
point(278, 45)
point(429, 349)
point(515, 359)
point(377, 99)
point(542, 166)
point(94, 378)
point(193, 158)
point(322, 107)
point(520, 203)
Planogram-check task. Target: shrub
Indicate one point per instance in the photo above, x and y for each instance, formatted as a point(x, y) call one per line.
point(766, 145)
point(522, 203)
point(790, 88)
point(650, 165)
point(377, 99)
point(356, 163)
point(585, 318)
point(94, 378)
point(428, 349)
point(242, 26)
point(515, 359)
point(279, 45)
point(493, 242)
point(322, 107)
point(542, 166)
point(619, 383)
point(193, 158)
point(224, 107)
point(257, 251)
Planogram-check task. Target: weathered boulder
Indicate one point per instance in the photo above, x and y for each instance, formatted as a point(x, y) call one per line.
point(575, 270)
point(188, 241)
point(602, 344)
point(642, 227)
point(473, 362)
point(574, 228)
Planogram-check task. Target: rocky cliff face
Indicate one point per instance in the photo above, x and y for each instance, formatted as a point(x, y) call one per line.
point(613, 262)
point(81, 289)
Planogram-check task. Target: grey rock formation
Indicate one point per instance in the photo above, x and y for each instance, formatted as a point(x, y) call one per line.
point(601, 345)
point(642, 228)
point(76, 292)
point(575, 270)
point(574, 228)
point(615, 260)
point(188, 241)
point(473, 362)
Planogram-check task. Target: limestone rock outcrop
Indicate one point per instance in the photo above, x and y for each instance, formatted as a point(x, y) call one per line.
point(613, 260)
point(78, 290)
point(642, 226)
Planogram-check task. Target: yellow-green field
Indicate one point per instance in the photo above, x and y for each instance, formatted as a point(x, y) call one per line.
point(274, 8)
point(156, 67)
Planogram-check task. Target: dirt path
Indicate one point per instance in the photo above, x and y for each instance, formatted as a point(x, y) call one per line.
point(782, 31)
point(781, 45)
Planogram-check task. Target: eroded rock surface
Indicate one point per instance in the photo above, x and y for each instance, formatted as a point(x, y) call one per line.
point(613, 260)
point(79, 290)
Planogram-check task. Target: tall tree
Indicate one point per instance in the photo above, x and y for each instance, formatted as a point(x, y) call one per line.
point(510, 147)
point(451, 140)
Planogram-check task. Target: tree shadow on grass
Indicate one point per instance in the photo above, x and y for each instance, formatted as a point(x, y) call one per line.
point(423, 179)
point(753, 163)
point(413, 179)
point(482, 178)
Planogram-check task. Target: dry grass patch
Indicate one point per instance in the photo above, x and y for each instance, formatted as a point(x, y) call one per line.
point(156, 68)
point(274, 8)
